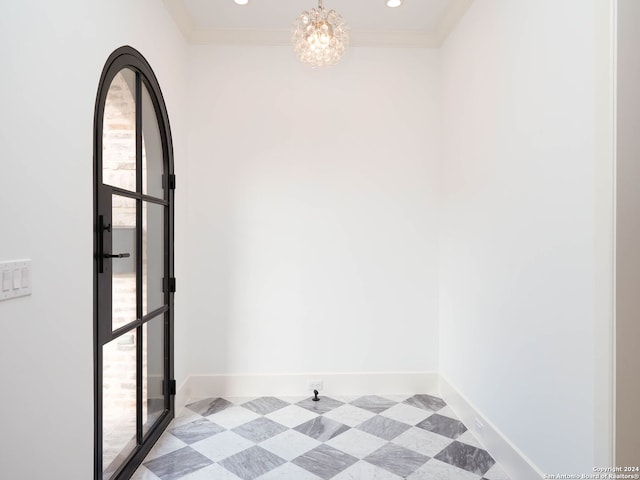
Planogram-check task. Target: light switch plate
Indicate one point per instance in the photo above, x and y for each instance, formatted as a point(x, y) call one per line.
point(17, 275)
point(6, 280)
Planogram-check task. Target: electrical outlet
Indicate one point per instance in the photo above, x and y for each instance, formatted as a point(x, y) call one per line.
point(314, 385)
point(479, 427)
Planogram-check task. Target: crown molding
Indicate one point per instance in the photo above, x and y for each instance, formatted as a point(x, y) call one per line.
point(357, 38)
point(393, 38)
point(240, 36)
point(451, 18)
point(282, 37)
point(178, 11)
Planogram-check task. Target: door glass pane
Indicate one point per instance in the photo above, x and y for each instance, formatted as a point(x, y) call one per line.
point(118, 401)
point(153, 256)
point(152, 158)
point(119, 132)
point(152, 371)
point(124, 269)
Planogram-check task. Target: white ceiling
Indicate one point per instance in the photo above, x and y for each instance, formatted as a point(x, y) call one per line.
point(419, 23)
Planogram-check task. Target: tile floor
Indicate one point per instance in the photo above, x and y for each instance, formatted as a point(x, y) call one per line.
point(283, 438)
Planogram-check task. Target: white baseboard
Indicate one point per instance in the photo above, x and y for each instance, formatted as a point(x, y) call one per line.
point(295, 384)
point(511, 459)
point(182, 396)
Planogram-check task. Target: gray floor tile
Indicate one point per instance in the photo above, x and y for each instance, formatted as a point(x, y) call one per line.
point(288, 471)
point(467, 457)
point(196, 431)
point(175, 465)
point(397, 459)
point(259, 430)
point(373, 403)
point(251, 463)
point(325, 461)
point(426, 402)
point(265, 405)
point(209, 406)
point(442, 425)
point(322, 428)
point(325, 404)
point(383, 427)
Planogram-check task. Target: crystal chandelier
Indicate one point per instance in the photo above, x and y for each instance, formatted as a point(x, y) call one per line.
point(320, 37)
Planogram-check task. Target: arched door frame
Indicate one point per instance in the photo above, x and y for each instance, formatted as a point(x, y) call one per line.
point(127, 57)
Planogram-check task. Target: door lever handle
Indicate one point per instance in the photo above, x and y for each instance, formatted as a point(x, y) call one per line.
point(117, 255)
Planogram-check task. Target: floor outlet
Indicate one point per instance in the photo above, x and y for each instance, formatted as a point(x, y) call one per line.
point(479, 427)
point(314, 385)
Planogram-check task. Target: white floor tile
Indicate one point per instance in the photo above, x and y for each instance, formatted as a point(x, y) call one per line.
point(166, 444)
point(290, 444)
point(468, 438)
point(363, 470)
point(187, 416)
point(422, 441)
point(233, 417)
point(406, 414)
point(349, 415)
point(356, 443)
point(437, 470)
point(222, 445)
point(448, 412)
point(496, 473)
point(291, 416)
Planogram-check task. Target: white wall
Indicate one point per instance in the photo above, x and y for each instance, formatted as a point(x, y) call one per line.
point(53, 54)
point(517, 266)
point(312, 217)
point(313, 213)
point(628, 235)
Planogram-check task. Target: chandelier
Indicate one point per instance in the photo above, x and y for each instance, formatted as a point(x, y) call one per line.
point(320, 37)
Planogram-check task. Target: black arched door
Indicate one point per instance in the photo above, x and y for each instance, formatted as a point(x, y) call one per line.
point(134, 283)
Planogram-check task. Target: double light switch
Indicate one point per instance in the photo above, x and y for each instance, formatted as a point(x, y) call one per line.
point(16, 279)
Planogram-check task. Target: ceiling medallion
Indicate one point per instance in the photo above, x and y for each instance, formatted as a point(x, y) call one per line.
point(320, 37)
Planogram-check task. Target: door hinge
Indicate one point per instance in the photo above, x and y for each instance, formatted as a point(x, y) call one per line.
point(171, 287)
point(171, 183)
point(172, 387)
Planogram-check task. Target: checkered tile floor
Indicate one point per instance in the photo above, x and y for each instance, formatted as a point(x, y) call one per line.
point(280, 438)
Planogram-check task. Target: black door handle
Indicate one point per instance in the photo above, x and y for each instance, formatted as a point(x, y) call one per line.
point(117, 255)
point(101, 256)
